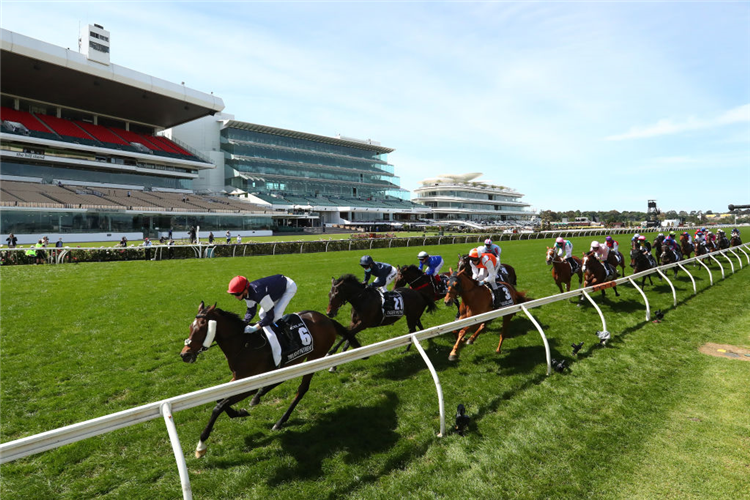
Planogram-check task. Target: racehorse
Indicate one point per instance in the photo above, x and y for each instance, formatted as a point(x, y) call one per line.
point(367, 310)
point(562, 271)
point(735, 241)
point(594, 273)
point(417, 280)
point(640, 262)
point(463, 263)
point(477, 299)
point(700, 249)
point(669, 256)
point(250, 355)
point(685, 246)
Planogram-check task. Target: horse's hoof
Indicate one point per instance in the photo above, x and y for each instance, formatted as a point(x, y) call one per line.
point(453, 357)
point(199, 453)
point(277, 426)
point(498, 351)
point(332, 369)
point(469, 342)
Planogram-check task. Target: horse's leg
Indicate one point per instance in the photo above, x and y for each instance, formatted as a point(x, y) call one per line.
point(256, 399)
point(506, 322)
point(476, 334)
point(454, 353)
point(615, 289)
point(225, 405)
point(301, 390)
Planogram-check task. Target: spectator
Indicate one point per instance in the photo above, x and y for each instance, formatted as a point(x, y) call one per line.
point(12, 240)
point(229, 237)
point(40, 255)
point(239, 239)
point(192, 234)
point(128, 194)
point(210, 238)
point(124, 242)
point(147, 245)
point(170, 248)
point(59, 243)
point(169, 236)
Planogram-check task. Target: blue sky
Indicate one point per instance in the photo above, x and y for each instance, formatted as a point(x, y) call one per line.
point(578, 105)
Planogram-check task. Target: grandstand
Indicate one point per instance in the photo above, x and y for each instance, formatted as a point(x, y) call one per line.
point(84, 153)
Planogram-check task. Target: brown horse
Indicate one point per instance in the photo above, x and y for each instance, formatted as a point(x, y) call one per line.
point(685, 246)
point(735, 241)
point(250, 355)
point(367, 310)
point(641, 262)
point(700, 248)
point(562, 270)
point(670, 256)
point(510, 272)
point(594, 273)
point(477, 299)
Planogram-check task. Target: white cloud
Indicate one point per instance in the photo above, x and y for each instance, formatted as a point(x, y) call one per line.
point(667, 126)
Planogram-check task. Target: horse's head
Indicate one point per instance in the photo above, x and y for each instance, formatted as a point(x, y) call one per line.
point(406, 275)
point(585, 261)
point(341, 291)
point(202, 332)
point(550, 255)
point(454, 289)
point(463, 262)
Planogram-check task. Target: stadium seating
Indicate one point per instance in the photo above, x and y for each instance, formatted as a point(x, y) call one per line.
point(36, 128)
point(68, 130)
point(102, 134)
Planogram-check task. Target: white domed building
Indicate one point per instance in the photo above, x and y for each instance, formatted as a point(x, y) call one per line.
point(462, 197)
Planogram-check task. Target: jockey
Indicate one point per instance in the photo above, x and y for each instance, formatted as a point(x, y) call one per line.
point(601, 252)
point(735, 232)
point(700, 239)
point(673, 245)
point(613, 246)
point(644, 245)
point(490, 247)
point(634, 240)
point(687, 236)
point(384, 273)
point(563, 246)
point(484, 267)
point(659, 238)
point(273, 295)
point(434, 263)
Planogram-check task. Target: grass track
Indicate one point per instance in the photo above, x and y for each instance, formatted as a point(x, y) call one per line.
point(647, 417)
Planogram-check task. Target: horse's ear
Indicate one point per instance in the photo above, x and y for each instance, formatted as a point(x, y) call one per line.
point(450, 270)
point(213, 306)
point(200, 307)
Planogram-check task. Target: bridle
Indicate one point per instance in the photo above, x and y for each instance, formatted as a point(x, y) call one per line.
point(208, 341)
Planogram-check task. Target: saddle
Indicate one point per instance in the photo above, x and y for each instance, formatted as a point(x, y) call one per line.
point(610, 271)
point(439, 286)
point(294, 338)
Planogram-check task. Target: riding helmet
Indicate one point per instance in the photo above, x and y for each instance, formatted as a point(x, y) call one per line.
point(422, 255)
point(237, 285)
point(365, 261)
point(559, 240)
point(488, 242)
point(474, 254)
point(608, 238)
point(594, 244)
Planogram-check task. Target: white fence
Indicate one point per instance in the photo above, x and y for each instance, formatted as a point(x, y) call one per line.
point(30, 445)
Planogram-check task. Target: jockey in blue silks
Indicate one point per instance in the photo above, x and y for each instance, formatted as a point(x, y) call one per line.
point(434, 263)
point(384, 273)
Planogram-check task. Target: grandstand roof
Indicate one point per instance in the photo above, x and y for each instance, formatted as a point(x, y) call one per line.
point(36, 70)
point(309, 137)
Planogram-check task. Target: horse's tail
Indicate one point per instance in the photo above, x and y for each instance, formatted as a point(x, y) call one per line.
point(345, 333)
point(521, 297)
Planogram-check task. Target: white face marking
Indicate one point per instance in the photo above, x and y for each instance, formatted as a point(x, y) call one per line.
point(195, 322)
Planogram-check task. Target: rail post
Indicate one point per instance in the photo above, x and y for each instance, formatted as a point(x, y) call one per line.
point(544, 338)
point(166, 411)
point(645, 299)
point(674, 293)
point(710, 274)
point(604, 321)
point(720, 266)
point(441, 403)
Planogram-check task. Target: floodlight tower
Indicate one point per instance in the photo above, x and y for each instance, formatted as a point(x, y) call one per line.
point(652, 214)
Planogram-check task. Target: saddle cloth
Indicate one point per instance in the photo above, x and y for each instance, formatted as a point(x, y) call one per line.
point(392, 304)
point(502, 296)
point(294, 337)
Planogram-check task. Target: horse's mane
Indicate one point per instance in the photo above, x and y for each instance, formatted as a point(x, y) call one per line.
point(411, 267)
point(233, 318)
point(349, 279)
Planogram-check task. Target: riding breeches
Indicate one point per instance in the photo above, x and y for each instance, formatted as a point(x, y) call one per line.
point(280, 305)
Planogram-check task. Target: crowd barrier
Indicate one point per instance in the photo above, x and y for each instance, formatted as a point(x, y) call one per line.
point(30, 445)
point(69, 254)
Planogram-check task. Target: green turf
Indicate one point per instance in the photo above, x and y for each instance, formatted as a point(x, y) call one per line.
point(648, 416)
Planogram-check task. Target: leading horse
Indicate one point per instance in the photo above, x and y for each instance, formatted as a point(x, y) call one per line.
point(562, 272)
point(249, 355)
point(477, 299)
point(367, 305)
point(685, 246)
point(509, 275)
